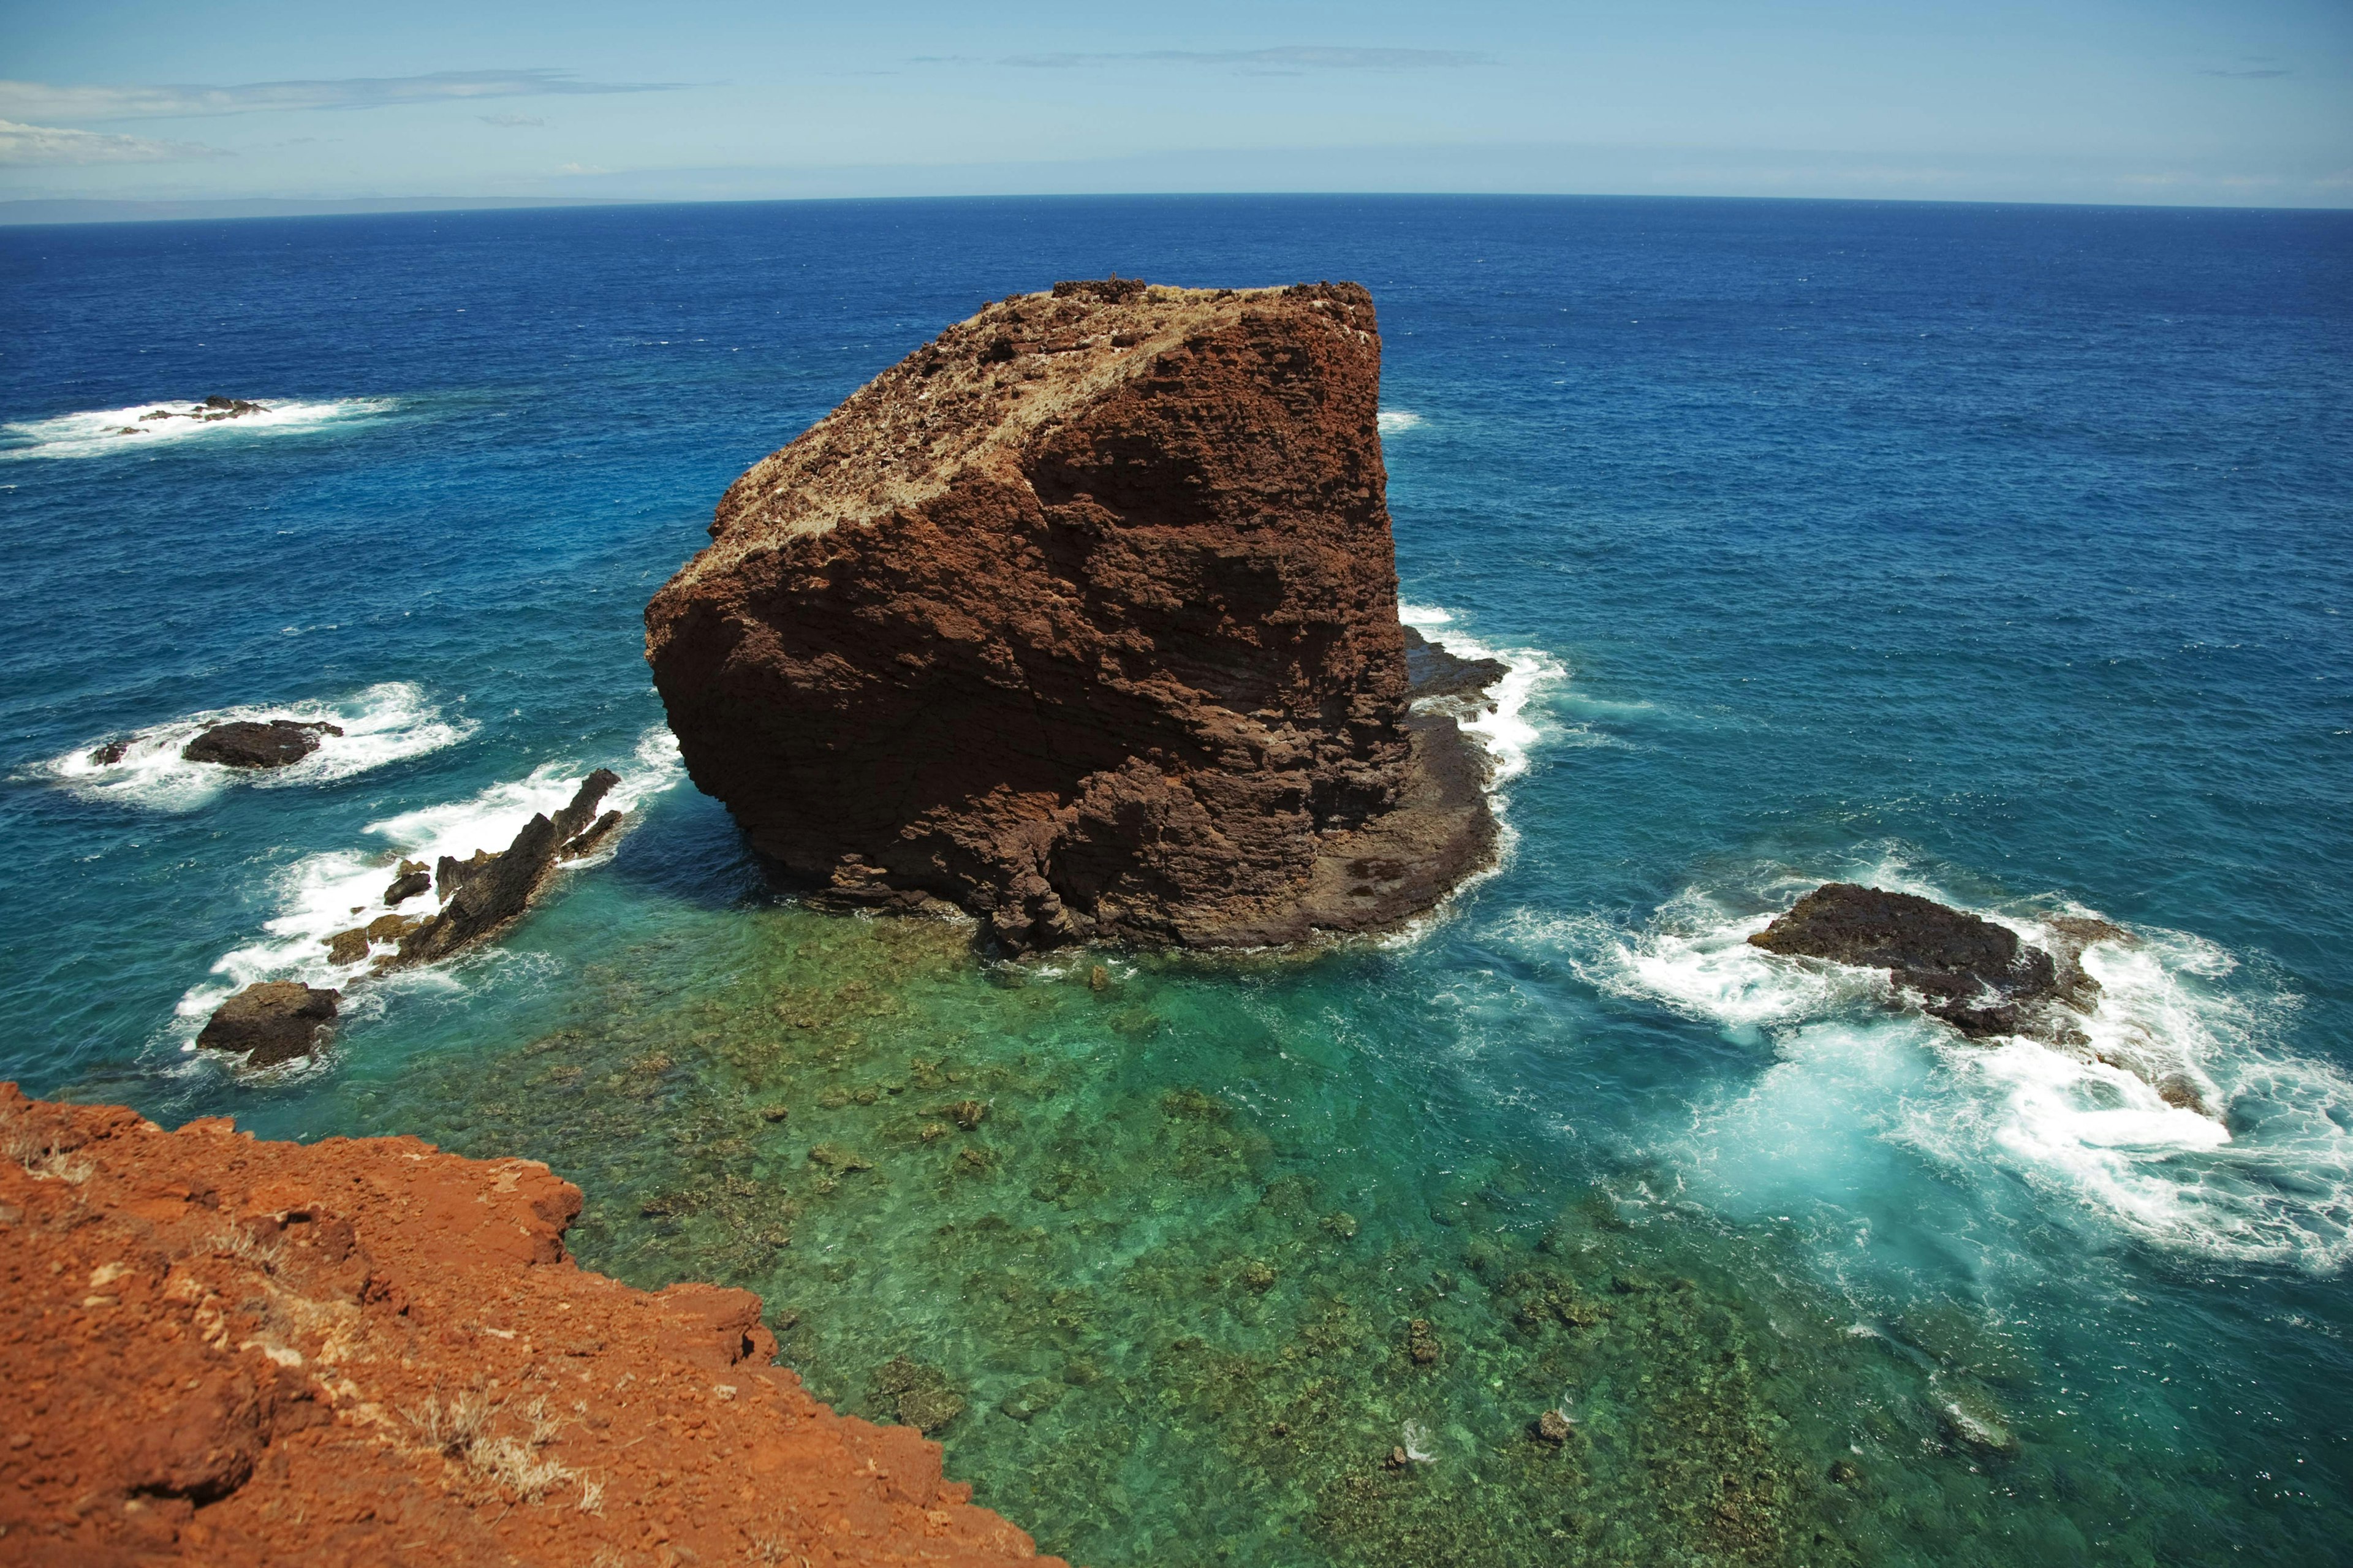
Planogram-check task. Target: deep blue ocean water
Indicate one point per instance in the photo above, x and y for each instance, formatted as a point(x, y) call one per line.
point(2002, 554)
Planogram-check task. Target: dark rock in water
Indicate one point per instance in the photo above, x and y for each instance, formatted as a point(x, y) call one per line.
point(112, 753)
point(246, 743)
point(163, 414)
point(1431, 669)
point(1083, 618)
point(347, 946)
point(407, 885)
point(217, 408)
point(1552, 1428)
point(274, 1021)
point(490, 893)
point(1976, 976)
point(593, 834)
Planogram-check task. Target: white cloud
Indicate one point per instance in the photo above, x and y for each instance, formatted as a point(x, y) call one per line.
point(43, 100)
point(509, 119)
point(50, 144)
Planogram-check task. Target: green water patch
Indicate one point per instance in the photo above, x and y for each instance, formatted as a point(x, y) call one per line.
point(1192, 1263)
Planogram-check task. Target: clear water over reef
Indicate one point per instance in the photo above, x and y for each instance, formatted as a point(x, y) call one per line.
point(1998, 554)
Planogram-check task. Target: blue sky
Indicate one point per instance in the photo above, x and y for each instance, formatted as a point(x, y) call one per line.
point(2241, 103)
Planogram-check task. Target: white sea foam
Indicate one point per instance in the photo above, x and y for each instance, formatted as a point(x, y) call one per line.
point(385, 723)
point(323, 894)
point(1503, 727)
point(1392, 421)
point(2267, 1178)
point(100, 432)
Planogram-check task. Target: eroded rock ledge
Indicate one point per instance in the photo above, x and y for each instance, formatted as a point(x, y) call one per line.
point(219, 1350)
point(1083, 618)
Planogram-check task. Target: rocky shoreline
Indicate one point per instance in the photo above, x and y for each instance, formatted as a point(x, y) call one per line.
point(219, 1350)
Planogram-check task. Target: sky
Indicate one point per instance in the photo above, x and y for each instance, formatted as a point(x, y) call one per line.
point(2236, 102)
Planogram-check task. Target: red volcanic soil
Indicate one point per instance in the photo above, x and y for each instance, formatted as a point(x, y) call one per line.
point(215, 1350)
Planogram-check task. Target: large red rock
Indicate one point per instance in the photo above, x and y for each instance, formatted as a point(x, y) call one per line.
point(366, 1351)
point(1083, 617)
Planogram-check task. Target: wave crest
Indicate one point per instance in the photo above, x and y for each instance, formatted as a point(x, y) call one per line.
point(102, 432)
point(384, 723)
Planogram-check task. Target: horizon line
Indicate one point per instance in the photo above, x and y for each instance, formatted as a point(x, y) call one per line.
point(115, 211)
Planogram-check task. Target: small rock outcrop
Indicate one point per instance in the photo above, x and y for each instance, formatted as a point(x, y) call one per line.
point(1435, 673)
point(1083, 618)
point(113, 751)
point(250, 743)
point(1974, 974)
point(210, 411)
point(482, 896)
point(270, 1022)
point(219, 1350)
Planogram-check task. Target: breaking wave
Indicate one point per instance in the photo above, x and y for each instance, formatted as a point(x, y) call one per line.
point(117, 430)
point(1393, 421)
point(385, 723)
point(1503, 729)
point(2266, 1177)
point(336, 891)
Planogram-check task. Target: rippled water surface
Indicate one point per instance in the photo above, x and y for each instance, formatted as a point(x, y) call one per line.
point(1996, 554)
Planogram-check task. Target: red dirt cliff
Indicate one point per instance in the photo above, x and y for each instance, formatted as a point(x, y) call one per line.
point(1083, 617)
point(363, 1352)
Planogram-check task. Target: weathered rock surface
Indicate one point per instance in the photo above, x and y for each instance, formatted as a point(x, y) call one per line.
point(270, 1022)
point(486, 894)
point(248, 743)
point(1083, 618)
point(219, 1351)
point(113, 751)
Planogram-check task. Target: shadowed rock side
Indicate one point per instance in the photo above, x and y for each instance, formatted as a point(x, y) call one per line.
point(366, 1351)
point(1083, 618)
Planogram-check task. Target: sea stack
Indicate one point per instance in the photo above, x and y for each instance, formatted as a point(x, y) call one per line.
point(1083, 618)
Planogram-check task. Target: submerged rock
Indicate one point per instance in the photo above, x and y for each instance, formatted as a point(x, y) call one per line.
point(270, 1022)
point(248, 743)
point(919, 1393)
point(1083, 618)
point(112, 753)
point(487, 894)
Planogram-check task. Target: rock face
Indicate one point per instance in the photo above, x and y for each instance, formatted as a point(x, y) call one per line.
point(271, 1022)
point(246, 743)
point(484, 895)
point(1083, 618)
point(219, 1351)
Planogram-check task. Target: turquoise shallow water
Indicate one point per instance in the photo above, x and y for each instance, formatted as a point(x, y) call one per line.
point(2000, 554)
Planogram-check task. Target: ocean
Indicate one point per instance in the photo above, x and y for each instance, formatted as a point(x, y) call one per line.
point(2002, 554)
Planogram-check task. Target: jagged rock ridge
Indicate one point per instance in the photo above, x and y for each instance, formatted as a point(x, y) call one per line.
point(1083, 617)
